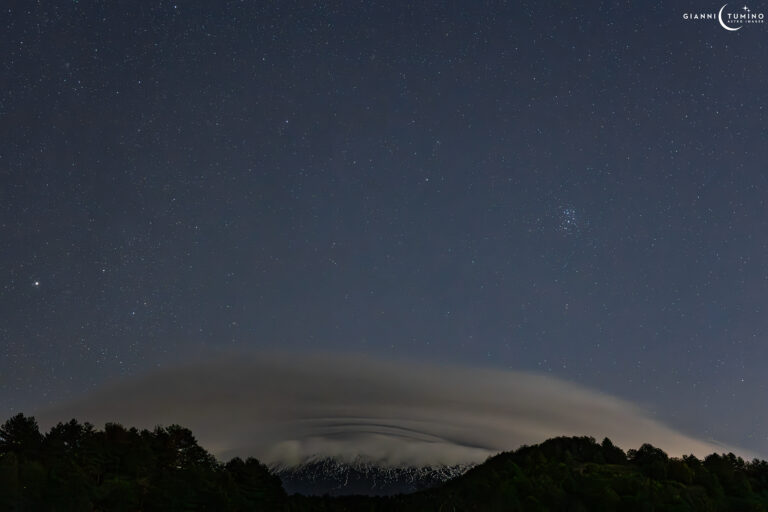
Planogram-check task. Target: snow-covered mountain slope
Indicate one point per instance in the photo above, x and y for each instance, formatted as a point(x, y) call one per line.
point(334, 477)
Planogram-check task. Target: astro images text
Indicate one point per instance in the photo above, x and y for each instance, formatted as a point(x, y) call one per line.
point(743, 16)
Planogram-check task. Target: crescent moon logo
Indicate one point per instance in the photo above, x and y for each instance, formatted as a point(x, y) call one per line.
point(720, 19)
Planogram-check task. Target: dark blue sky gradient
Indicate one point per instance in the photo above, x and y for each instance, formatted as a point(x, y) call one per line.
point(577, 190)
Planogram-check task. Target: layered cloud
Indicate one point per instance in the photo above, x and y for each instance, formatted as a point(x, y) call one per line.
point(288, 409)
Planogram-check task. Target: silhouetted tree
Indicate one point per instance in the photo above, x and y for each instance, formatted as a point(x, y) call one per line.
point(21, 435)
point(651, 460)
point(613, 454)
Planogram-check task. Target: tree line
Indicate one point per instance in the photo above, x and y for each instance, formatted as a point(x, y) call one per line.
point(76, 467)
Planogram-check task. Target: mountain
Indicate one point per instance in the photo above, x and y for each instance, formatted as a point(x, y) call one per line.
point(335, 478)
point(578, 474)
point(77, 467)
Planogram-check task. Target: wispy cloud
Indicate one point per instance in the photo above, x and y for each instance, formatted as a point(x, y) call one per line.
point(285, 409)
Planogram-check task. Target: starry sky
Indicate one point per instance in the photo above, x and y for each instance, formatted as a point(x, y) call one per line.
point(573, 190)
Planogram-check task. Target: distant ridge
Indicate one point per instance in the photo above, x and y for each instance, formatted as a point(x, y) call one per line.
point(364, 477)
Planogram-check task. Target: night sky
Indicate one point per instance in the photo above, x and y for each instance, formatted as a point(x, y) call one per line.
point(577, 191)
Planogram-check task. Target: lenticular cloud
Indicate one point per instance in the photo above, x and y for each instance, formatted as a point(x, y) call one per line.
point(286, 410)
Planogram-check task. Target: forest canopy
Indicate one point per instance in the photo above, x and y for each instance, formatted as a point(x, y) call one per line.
point(78, 467)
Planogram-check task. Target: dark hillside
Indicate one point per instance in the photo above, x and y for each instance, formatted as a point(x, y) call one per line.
point(76, 467)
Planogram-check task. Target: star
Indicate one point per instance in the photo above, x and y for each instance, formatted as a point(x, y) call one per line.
point(36, 284)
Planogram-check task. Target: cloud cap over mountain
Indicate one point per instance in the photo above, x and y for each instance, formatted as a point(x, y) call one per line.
point(287, 409)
